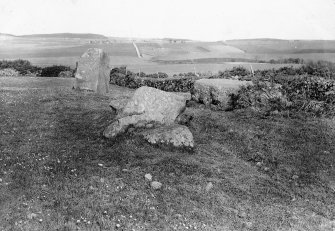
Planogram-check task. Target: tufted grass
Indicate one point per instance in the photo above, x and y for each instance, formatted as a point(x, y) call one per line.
point(58, 172)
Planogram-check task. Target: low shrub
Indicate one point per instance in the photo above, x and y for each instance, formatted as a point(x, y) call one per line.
point(66, 74)
point(9, 72)
point(309, 94)
point(54, 71)
point(159, 75)
point(262, 97)
point(23, 67)
point(166, 84)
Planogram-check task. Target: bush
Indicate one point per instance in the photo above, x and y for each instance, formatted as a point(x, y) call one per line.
point(9, 72)
point(310, 94)
point(159, 75)
point(23, 67)
point(261, 96)
point(166, 84)
point(54, 71)
point(66, 74)
point(241, 72)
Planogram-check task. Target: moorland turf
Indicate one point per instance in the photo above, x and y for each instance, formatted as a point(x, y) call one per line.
point(58, 172)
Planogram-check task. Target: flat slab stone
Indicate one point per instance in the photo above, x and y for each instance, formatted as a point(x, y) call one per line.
point(216, 91)
point(93, 71)
point(178, 136)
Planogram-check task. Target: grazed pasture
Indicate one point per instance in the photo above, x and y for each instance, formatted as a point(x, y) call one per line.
point(58, 173)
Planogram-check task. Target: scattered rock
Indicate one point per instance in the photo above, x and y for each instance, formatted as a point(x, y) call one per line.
point(175, 135)
point(216, 91)
point(242, 214)
point(156, 185)
point(32, 216)
point(209, 186)
point(178, 216)
point(148, 177)
point(147, 106)
point(248, 224)
point(93, 71)
point(294, 177)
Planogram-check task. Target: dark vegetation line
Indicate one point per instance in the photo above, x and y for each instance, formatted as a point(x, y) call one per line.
point(223, 60)
point(25, 68)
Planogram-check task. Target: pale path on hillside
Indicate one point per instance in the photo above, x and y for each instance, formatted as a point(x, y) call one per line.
point(137, 50)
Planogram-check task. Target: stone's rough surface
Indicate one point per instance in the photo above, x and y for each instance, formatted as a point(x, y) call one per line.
point(178, 136)
point(147, 106)
point(118, 104)
point(93, 71)
point(216, 91)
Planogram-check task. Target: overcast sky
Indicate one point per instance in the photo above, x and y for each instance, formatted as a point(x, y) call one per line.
point(193, 19)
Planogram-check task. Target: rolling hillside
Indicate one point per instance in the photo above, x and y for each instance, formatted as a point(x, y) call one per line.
point(170, 55)
point(270, 46)
point(65, 35)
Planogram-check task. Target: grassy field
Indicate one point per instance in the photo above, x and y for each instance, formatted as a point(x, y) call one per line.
point(58, 173)
point(66, 51)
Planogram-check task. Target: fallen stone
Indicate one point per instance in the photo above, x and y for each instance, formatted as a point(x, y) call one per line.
point(93, 71)
point(156, 185)
point(175, 135)
point(32, 216)
point(216, 91)
point(147, 106)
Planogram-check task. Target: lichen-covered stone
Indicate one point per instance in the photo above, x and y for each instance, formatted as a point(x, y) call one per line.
point(216, 91)
point(147, 106)
point(175, 135)
point(93, 71)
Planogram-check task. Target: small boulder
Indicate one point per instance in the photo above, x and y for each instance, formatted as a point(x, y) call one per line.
point(147, 106)
point(148, 177)
point(93, 71)
point(175, 135)
point(216, 91)
point(156, 185)
point(209, 186)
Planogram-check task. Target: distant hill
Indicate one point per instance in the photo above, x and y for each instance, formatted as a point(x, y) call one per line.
point(270, 46)
point(4, 34)
point(65, 35)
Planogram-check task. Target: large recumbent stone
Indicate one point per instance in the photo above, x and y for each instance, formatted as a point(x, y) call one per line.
point(216, 91)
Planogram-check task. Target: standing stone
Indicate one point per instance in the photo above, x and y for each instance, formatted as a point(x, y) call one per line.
point(93, 71)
